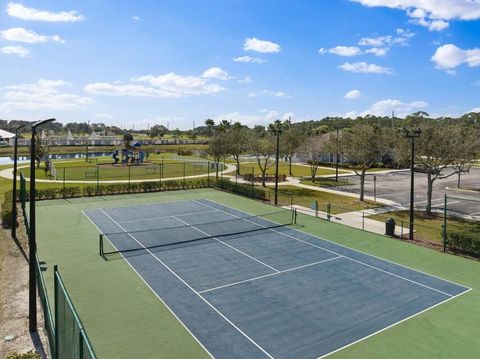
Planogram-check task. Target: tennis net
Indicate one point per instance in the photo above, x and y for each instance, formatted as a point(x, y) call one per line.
point(189, 233)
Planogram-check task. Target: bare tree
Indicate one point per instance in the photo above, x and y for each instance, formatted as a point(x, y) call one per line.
point(468, 151)
point(264, 151)
point(313, 148)
point(292, 138)
point(363, 146)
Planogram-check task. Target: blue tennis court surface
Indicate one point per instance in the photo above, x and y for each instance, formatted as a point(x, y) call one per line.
point(248, 288)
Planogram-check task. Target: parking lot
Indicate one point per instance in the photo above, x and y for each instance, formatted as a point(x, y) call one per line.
point(395, 186)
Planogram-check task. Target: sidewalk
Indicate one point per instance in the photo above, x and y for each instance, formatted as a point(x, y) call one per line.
point(357, 219)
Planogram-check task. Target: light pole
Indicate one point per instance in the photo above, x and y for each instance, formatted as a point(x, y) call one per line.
point(32, 243)
point(14, 204)
point(412, 134)
point(336, 159)
point(277, 131)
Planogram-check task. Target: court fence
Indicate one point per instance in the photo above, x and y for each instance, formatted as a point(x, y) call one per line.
point(66, 335)
point(444, 230)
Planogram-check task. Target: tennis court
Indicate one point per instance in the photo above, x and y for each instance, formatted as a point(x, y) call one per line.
point(255, 286)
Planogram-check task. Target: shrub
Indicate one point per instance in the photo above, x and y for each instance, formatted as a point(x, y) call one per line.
point(465, 241)
point(28, 355)
point(7, 220)
point(184, 152)
point(242, 189)
point(89, 191)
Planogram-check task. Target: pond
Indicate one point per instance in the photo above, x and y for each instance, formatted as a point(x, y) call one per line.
point(8, 160)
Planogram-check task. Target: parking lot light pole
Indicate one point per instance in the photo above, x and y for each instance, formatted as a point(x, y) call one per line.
point(32, 242)
point(14, 202)
point(412, 134)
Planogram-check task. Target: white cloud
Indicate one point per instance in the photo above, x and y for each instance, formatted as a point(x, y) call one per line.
point(26, 13)
point(252, 94)
point(264, 117)
point(275, 93)
point(16, 50)
point(385, 107)
point(345, 51)
point(377, 51)
point(136, 18)
point(42, 95)
point(448, 57)
point(353, 94)
point(476, 109)
point(363, 67)
point(256, 60)
point(167, 85)
point(433, 14)
point(215, 73)
point(254, 44)
point(19, 34)
point(350, 114)
point(245, 80)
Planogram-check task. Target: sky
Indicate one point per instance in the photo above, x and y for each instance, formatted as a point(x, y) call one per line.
point(140, 63)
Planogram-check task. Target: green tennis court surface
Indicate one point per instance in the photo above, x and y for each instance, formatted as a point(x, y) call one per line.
point(243, 286)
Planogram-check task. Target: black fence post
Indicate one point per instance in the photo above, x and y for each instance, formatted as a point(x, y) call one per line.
point(208, 173)
point(160, 177)
point(183, 183)
point(129, 177)
point(98, 181)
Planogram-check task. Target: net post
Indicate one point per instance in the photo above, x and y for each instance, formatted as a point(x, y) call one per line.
point(100, 245)
point(56, 319)
point(80, 344)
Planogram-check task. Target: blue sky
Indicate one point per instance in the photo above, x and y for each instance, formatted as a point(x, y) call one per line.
point(147, 62)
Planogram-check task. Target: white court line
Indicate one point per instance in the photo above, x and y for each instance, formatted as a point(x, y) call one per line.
point(269, 275)
point(178, 215)
point(193, 290)
point(333, 252)
point(228, 245)
point(355, 250)
point(153, 291)
point(391, 325)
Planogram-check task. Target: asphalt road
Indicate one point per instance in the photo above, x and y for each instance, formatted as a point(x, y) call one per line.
point(395, 186)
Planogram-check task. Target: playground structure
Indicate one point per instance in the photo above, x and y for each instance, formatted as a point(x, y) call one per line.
point(129, 156)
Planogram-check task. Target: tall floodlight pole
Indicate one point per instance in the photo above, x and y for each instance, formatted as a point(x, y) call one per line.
point(336, 159)
point(32, 243)
point(412, 134)
point(14, 202)
point(277, 131)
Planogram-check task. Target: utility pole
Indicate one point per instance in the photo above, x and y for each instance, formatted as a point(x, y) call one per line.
point(412, 134)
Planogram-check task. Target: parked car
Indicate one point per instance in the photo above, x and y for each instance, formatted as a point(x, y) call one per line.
point(423, 169)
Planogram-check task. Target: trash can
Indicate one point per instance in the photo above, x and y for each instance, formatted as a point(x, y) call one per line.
point(390, 227)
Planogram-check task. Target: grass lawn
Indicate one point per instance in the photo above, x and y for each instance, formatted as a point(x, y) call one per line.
point(297, 170)
point(429, 228)
point(305, 197)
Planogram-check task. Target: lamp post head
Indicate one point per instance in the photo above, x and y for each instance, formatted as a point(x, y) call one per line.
point(18, 128)
point(42, 122)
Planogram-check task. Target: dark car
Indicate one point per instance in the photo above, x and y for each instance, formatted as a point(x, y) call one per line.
point(423, 169)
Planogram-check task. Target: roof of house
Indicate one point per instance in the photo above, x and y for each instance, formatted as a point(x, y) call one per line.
point(6, 134)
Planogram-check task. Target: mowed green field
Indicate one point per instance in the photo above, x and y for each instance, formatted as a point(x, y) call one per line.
point(124, 319)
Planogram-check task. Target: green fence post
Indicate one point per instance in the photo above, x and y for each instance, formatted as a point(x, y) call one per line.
point(183, 183)
point(129, 177)
point(98, 181)
point(208, 173)
point(64, 174)
point(444, 231)
point(328, 211)
point(56, 319)
point(253, 176)
point(160, 177)
point(363, 221)
point(401, 230)
point(316, 208)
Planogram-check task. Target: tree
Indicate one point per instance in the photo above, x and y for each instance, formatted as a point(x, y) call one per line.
point(218, 148)
point(41, 150)
point(157, 131)
point(313, 148)
point(435, 150)
point(127, 139)
point(238, 142)
point(210, 126)
point(292, 138)
point(363, 146)
point(264, 151)
point(467, 152)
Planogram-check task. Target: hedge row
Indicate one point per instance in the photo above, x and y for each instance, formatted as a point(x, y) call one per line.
point(242, 189)
point(464, 241)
